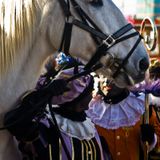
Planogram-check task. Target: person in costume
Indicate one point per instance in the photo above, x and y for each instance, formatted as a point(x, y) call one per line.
point(63, 131)
point(152, 87)
point(118, 115)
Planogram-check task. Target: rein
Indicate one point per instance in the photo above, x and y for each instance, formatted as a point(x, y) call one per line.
point(103, 41)
point(78, 75)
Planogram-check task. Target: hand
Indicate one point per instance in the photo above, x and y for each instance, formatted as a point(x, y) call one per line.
point(147, 133)
point(56, 87)
point(25, 131)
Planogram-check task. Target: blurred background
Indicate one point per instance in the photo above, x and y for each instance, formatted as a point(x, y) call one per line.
point(136, 10)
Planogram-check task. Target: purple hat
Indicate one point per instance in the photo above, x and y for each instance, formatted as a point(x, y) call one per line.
point(76, 86)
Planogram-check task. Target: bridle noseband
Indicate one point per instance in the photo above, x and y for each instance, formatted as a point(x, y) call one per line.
point(104, 41)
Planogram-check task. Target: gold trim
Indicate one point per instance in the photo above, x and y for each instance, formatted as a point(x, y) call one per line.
point(60, 149)
point(94, 148)
point(50, 151)
point(86, 150)
point(73, 153)
point(82, 152)
point(90, 149)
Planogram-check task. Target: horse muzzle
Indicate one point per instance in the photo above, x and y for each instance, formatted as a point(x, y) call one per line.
point(123, 79)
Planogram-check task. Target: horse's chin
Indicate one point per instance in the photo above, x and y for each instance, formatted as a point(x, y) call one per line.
point(124, 80)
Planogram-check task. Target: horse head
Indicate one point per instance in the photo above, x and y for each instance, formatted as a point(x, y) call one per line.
point(98, 32)
point(119, 65)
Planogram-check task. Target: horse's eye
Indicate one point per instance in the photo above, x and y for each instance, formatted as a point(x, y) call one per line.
point(96, 2)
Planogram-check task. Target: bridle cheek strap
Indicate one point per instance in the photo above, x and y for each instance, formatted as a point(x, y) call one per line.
point(66, 38)
point(109, 42)
point(104, 41)
point(127, 57)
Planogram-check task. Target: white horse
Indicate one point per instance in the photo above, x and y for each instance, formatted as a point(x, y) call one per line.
point(30, 30)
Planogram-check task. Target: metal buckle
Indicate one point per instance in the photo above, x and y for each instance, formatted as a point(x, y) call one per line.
point(109, 41)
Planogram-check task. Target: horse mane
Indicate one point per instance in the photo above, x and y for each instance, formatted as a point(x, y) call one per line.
point(18, 19)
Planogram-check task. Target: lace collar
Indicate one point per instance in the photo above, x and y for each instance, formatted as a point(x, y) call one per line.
point(80, 130)
point(112, 116)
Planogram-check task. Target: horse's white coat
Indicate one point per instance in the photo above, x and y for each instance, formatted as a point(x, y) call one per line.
point(23, 73)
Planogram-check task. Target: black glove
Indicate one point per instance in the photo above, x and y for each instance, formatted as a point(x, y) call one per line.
point(147, 133)
point(55, 87)
point(25, 131)
point(19, 120)
point(33, 102)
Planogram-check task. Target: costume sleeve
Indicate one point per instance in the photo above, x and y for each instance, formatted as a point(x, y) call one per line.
point(20, 121)
point(140, 87)
point(152, 87)
point(156, 124)
point(41, 82)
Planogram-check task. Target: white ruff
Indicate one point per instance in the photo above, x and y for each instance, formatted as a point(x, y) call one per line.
point(154, 100)
point(80, 130)
point(112, 116)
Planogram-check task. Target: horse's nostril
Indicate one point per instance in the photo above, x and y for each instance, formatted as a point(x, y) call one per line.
point(143, 64)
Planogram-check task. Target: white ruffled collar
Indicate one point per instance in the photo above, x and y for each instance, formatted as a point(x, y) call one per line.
point(112, 116)
point(80, 130)
point(154, 100)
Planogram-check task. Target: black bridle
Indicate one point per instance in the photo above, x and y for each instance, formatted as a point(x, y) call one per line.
point(104, 41)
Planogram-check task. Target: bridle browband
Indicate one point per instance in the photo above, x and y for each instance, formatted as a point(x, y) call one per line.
point(104, 41)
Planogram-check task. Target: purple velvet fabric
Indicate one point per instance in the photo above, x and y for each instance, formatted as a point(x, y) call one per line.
point(76, 87)
point(152, 87)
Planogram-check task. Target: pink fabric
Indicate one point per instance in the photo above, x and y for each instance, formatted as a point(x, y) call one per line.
point(76, 86)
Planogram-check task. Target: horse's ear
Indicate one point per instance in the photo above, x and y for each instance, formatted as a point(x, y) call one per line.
point(96, 2)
